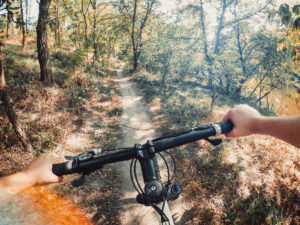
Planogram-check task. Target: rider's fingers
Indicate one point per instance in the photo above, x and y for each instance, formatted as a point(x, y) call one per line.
point(227, 116)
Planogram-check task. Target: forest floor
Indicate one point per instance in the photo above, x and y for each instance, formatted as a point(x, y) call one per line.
point(78, 112)
point(248, 180)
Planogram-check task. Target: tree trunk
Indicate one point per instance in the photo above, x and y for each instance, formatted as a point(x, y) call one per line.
point(95, 40)
point(85, 22)
point(242, 58)
point(208, 59)
point(135, 58)
point(56, 28)
point(265, 95)
point(10, 112)
point(166, 69)
point(137, 41)
point(23, 24)
point(220, 28)
point(42, 42)
point(27, 11)
point(261, 80)
point(7, 24)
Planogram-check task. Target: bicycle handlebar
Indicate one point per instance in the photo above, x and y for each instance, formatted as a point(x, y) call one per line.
point(94, 163)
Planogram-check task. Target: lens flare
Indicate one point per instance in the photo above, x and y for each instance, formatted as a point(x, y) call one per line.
point(49, 208)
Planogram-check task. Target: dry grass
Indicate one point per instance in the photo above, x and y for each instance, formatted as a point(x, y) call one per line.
point(249, 180)
point(64, 119)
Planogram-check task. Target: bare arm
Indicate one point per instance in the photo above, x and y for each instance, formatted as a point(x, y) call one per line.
point(248, 121)
point(39, 172)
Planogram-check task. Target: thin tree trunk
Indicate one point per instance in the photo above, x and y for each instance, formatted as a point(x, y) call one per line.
point(84, 19)
point(23, 24)
point(95, 41)
point(241, 53)
point(220, 27)
point(7, 22)
point(260, 91)
point(2, 77)
point(166, 70)
point(27, 15)
point(55, 27)
point(208, 59)
point(265, 95)
point(135, 64)
point(42, 42)
point(10, 112)
point(137, 42)
point(257, 86)
point(13, 119)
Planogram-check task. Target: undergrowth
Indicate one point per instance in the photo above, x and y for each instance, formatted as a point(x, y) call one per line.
point(212, 185)
point(50, 114)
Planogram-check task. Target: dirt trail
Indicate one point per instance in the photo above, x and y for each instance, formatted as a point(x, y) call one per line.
point(136, 129)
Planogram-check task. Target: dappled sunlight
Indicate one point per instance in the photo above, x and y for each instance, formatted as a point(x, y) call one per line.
point(130, 101)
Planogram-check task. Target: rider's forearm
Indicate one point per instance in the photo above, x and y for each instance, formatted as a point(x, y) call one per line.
point(284, 128)
point(14, 183)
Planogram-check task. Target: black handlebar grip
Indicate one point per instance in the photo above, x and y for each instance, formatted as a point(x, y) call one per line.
point(60, 169)
point(226, 126)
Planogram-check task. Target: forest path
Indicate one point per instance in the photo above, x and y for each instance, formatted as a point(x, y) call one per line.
point(136, 128)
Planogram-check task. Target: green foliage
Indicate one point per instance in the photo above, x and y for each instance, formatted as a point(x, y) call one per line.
point(92, 68)
point(296, 24)
point(115, 112)
point(151, 89)
point(77, 58)
point(70, 62)
point(77, 95)
point(12, 13)
point(291, 20)
point(285, 14)
point(183, 114)
point(44, 142)
point(296, 9)
point(61, 77)
point(20, 69)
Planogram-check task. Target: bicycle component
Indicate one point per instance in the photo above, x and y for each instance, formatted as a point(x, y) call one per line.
point(217, 128)
point(86, 155)
point(154, 193)
point(77, 182)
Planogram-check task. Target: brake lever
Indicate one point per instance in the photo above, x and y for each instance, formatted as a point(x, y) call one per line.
point(79, 181)
point(82, 157)
point(214, 142)
point(86, 155)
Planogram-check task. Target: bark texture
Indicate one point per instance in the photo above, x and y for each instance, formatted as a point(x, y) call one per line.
point(42, 42)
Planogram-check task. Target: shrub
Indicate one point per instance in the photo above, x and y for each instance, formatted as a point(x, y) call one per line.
point(69, 62)
point(115, 112)
point(77, 95)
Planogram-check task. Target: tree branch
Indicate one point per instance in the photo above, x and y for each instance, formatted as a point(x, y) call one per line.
point(246, 16)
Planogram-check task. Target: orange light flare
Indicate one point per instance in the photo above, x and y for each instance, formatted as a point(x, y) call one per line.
point(51, 208)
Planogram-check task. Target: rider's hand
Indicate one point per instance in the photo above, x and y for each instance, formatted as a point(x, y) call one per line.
point(245, 120)
point(39, 171)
